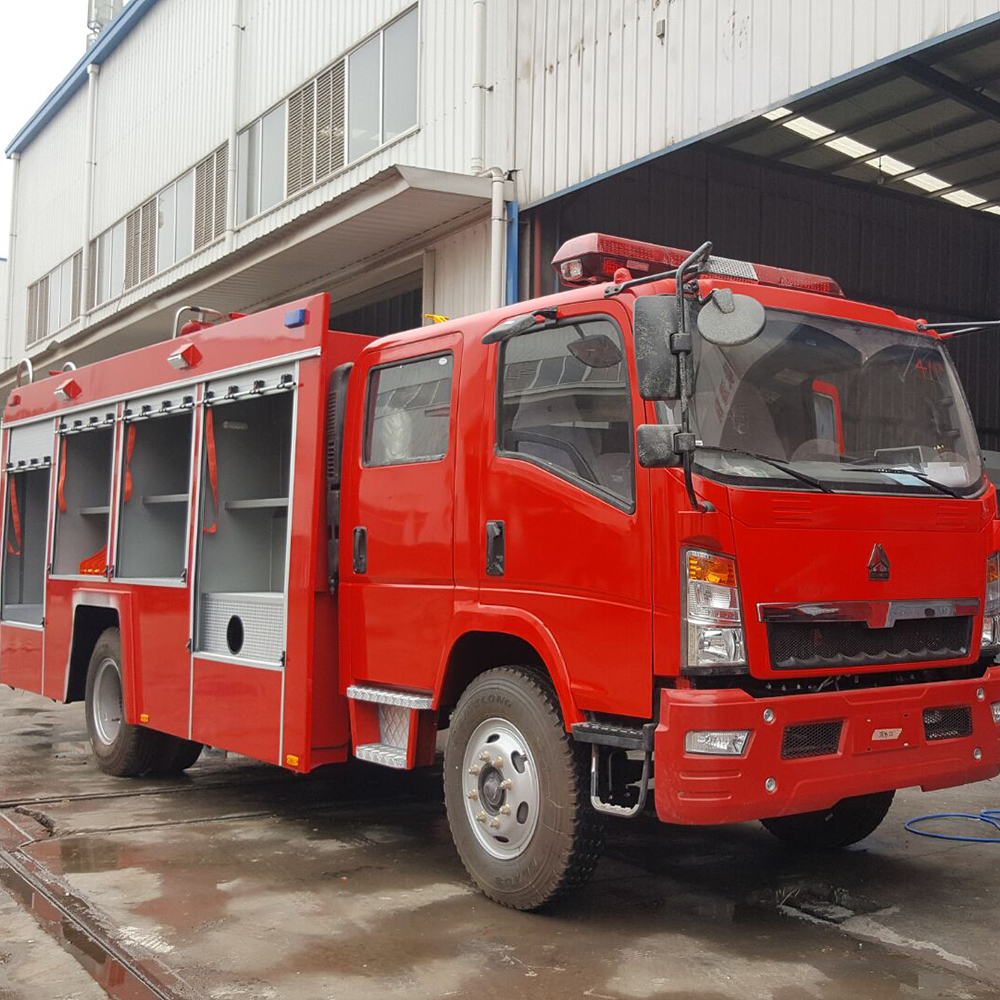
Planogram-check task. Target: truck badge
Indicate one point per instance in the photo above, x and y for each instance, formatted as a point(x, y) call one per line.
point(886, 734)
point(878, 564)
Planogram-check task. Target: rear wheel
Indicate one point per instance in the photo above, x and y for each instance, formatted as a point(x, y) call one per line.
point(849, 821)
point(120, 749)
point(515, 787)
point(176, 754)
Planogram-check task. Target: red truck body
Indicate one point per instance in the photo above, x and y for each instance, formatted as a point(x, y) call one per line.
point(591, 588)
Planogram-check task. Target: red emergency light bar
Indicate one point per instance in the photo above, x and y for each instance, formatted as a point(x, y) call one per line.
point(587, 260)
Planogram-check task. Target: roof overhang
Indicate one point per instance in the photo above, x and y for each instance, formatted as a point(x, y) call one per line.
point(112, 35)
point(394, 214)
point(925, 124)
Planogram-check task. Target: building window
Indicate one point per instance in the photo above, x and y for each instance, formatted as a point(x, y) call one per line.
point(109, 269)
point(260, 177)
point(175, 222)
point(382, 86)
point(54, 301)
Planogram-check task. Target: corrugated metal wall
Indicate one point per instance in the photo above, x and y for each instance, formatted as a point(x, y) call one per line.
point(596, 88)
point(920, 257)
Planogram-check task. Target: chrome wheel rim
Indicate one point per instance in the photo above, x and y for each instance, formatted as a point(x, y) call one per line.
point(108, 706)
point(501, 789)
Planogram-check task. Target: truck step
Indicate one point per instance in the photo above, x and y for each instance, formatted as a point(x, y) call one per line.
point(389, 696)
point(608, 735)
point(382, 753)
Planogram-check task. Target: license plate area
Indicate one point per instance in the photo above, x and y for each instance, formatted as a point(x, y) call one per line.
point(880, 732)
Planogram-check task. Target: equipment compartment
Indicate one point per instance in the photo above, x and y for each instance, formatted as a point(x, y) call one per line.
point(83, 502)
point(244, 527)
point(155, 486)
point(23, 588)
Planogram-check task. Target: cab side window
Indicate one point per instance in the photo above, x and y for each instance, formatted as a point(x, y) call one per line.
point(408, 413)
point(564, 404)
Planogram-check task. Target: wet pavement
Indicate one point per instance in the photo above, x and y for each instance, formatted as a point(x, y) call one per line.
point(242, 881)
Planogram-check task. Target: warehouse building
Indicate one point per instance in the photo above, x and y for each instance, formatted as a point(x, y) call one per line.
point(426, 158)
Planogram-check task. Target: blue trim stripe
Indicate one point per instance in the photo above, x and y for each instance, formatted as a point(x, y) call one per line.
point(512, 253)
point(109, 39)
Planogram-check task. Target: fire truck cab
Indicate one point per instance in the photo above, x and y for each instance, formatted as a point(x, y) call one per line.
point(695, 534)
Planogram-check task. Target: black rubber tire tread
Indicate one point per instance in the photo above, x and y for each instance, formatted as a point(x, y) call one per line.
point(849, 821)
point(574, 850)
point(136, 749)
point(176, 754)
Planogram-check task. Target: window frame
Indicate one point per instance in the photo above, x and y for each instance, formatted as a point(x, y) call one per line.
point(594, 489)
point(258, 122)
point(63, 272)
point(170, 189)
point(368, 411)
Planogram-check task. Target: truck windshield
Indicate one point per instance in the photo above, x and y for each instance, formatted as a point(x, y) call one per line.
point(842, 406)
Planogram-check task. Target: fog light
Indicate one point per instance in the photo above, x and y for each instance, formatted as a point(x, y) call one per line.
point(722, 743)
point(709, 645)
point(995, 709)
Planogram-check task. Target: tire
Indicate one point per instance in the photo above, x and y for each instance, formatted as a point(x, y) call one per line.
point(120, 749)
point(176, 754)
point(849, 821)
point(534, 792)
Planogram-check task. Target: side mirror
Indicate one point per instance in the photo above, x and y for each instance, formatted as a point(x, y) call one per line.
point(597, 350)
point(729, 319)
point(654, 322)
point(656, 447)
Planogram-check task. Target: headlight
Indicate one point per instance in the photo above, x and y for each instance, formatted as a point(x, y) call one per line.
point(712, 611)
point(991, 610)
point(723, 743)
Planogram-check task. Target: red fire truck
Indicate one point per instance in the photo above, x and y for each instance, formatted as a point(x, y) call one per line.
point(695, 526)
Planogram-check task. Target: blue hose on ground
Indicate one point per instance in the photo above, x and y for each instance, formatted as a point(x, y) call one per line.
point(989, 816)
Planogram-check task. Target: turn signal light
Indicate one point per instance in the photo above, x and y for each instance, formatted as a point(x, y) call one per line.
point(711, 568)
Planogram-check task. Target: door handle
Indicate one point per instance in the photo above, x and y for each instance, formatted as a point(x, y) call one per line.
point(360, 550)
point(496, 548)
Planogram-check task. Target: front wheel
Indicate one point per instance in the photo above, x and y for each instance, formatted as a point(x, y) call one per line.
point(515, 787)
point(849, 821)
point(119, 748)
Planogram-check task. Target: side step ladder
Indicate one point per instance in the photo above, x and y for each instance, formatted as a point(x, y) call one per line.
point(391, 727)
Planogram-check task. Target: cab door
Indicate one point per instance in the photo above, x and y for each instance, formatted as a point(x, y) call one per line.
point(564, 519)
point(398, 580)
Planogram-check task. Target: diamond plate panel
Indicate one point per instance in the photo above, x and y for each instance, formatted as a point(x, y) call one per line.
point(387, 696)
point(262, 615)
point(376, 753)
point(394, 726)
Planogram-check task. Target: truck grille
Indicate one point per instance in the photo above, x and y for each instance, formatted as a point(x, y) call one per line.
point(947, 723)
point(819, 645)
point(812, 739)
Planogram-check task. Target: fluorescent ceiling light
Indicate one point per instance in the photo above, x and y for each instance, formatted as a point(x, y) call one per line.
point(808, 128)
point(889, 165)
point(777, 113)
point(993, 209)
point(849, 147)
point(964, 198)
point(927, 182)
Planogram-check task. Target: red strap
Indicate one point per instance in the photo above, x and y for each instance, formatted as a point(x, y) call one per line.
point(62, 479)
point(15, 519)
point(213, 470)
point(129, 448)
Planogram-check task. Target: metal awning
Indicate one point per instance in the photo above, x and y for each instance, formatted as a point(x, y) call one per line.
point(395, 212)
point(926, 124)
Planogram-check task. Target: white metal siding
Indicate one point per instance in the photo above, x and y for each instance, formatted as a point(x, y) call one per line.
point(462, 272)
point(597, 89)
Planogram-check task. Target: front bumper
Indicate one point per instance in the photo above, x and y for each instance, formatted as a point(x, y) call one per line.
point(698, 789)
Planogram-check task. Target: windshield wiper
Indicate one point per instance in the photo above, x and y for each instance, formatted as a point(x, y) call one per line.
point(773, 462)
point(902, 471)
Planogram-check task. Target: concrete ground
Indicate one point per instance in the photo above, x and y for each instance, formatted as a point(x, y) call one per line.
point(241, 881)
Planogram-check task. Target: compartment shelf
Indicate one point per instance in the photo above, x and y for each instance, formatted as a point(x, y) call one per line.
point(165, 498)
point(95, 511)
point(258, 504)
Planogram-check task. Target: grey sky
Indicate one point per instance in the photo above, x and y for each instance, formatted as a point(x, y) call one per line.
point(39, 44)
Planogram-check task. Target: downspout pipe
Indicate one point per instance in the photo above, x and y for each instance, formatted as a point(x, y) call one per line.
point(235, 55)
point(498, 231)
point(8, 329)
point(478, 85)
point(90, 139)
